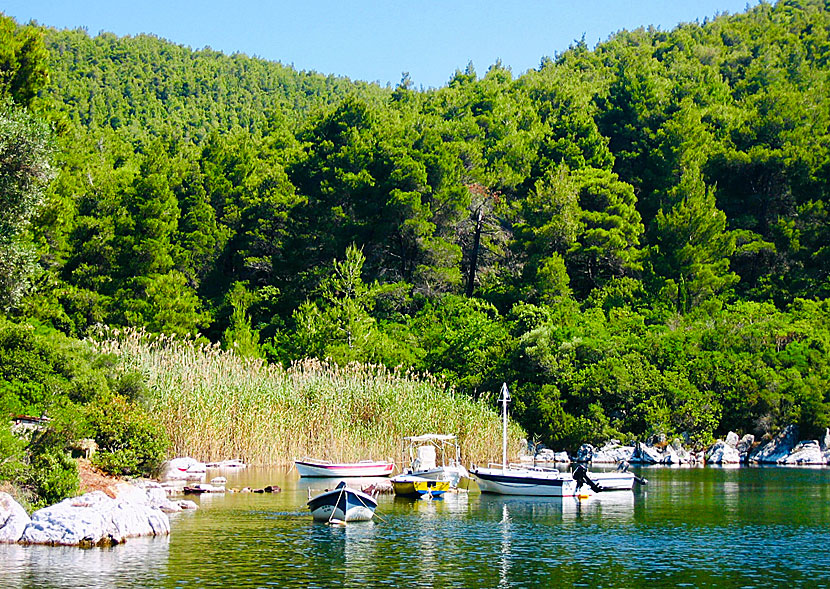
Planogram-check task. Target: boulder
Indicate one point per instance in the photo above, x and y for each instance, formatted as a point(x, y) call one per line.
point(825, 440)
point(722, 452)
point(561, 457)
point(95, 519)
point(675, 455)
point(644, 454)
point(585, 453)
point(745, 446)
point(808, 452)
point(777, 448)
point(613, 453)
point(13, 519)
point(545, 455)
point(732, 439)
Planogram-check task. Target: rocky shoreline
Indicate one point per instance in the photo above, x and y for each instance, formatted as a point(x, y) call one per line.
point(110, 514)
point(784, 449)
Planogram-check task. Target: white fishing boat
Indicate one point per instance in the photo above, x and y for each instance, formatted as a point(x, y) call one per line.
point(342, 504)
point(519, 479)
point(435, 457)
point(310, 467)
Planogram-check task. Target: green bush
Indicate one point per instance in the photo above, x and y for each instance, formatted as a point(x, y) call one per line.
point(12, 453)
point(53, 476)
point(130, 441)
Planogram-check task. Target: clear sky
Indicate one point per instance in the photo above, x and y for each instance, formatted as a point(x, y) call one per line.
point(375, 40)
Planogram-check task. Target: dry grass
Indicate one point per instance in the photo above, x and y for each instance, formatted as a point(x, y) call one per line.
point(216, 405)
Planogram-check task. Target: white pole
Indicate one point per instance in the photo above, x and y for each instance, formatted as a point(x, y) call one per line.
point(505, 397)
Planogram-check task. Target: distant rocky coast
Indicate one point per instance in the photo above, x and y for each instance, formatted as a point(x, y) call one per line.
point(787, 448)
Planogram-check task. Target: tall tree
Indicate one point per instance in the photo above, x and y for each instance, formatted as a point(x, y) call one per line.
point(693, 245)
point(25, 150)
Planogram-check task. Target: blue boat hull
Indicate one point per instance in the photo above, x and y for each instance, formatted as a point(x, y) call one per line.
point(344, 504)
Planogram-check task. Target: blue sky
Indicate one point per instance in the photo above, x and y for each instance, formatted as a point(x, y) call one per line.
point(375, 40)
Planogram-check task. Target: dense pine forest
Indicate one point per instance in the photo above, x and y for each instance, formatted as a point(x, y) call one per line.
point(634, 237)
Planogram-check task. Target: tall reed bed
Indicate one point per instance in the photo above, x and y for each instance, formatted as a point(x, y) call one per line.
point(217, 405)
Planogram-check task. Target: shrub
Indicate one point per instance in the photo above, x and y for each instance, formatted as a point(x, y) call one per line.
point(53, 476)
point(129, 441)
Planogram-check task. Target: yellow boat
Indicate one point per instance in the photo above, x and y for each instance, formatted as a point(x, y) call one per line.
point(411, 486)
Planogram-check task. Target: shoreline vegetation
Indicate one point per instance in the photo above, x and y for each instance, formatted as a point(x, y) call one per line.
point(214, 404)
point(633, 237)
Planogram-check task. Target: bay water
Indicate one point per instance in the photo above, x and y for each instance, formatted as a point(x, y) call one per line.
point(689, 527)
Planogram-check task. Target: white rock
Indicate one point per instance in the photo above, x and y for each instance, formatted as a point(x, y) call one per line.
point(723, 453)
point(808, 452)
point(825, 440)
point(612, 454)
point(13, 519)
point(561, 457)
point(732, 439)
point(187, 504)
point(94, 519)
point(777, 448)
point(585, 453)
point(745, 445)
point(644, 454)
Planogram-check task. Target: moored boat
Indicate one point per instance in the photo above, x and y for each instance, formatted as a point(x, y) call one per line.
point(414, 486)
point(436, 457)
point(342, 504)
point(310, 467)
point(513, 479)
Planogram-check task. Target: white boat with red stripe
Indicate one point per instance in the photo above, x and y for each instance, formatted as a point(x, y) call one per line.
point(310, 467)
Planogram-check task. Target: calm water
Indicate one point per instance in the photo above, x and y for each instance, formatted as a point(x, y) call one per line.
point(705, 527)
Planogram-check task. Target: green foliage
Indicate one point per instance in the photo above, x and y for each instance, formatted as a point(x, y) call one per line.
point(12, 453)
point(130, 441)
point(24, 171)
point(23, 62)
point(639, 230)
point(53, 476)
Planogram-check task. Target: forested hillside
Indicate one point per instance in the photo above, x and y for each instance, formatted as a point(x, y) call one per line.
point(635, 237)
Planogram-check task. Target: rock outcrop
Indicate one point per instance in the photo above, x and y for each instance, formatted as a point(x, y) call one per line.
point(645, 454)
point(94, 519)
point(722, 452)
point(778, 448)
point(806, 452)
point(13, 519)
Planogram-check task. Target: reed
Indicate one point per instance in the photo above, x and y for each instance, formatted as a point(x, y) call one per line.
point(216, 405)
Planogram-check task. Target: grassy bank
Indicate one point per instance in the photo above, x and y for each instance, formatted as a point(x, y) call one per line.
point(216, 405)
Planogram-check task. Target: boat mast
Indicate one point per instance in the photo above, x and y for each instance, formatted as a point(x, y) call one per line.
point(504, 399)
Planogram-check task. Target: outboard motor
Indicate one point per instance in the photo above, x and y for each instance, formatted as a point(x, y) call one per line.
point(580, 475)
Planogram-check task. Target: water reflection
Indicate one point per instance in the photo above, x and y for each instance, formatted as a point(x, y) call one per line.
point(138, 562)
point(610, 507)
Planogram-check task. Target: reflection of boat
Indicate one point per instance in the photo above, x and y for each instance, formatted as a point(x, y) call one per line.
point(607, 506)
point(512, 479)
point(342, 504)
point(414, 486)
point(425, 452)
point(309, 467)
